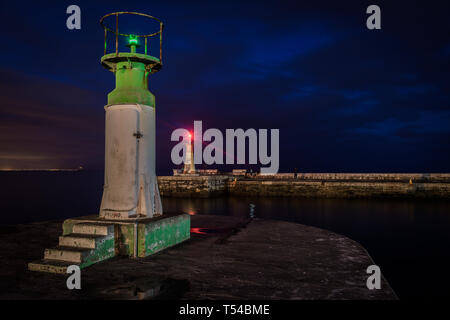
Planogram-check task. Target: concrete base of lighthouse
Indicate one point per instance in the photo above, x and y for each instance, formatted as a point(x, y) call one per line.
point(91, 239)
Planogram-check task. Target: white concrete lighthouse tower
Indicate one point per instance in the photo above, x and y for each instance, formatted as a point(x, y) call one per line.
point(130, 187)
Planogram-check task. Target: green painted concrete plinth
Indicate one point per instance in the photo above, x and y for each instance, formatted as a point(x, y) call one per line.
point(157, 235)
point(91, 239)
point(152, 234)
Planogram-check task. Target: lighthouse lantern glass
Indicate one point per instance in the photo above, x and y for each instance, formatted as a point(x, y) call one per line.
point(133, 40)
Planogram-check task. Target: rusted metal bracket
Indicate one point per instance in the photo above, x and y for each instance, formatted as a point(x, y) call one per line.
point(138, 135)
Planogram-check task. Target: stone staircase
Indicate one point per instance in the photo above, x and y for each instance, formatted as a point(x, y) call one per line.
point(88, 243)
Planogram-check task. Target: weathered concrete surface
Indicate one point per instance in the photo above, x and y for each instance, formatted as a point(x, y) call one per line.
point(193, 186)
point(329, 176)
point(340, 189)
point(91, 239)
point(265, 260)
point(311, 185)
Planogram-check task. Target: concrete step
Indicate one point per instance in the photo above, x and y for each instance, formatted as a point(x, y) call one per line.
point(93, 229)
point(80, 240)
point(68, 254)
point(47, 265)
point(88, 243)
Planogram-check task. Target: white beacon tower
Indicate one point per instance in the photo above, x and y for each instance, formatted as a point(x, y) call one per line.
point(130, 187)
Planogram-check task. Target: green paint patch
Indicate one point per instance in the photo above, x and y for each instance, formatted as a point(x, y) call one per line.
point(104, 249)
point(162, 233)
point(126, 240)
point(67, 227)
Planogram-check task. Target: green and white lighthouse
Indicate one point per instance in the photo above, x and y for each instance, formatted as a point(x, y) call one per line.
point(131, 221)
point(130, 187)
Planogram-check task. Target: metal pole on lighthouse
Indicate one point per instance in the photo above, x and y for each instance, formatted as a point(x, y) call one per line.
point(130, 186)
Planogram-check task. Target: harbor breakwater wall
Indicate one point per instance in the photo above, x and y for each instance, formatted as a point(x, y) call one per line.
point(310, 185)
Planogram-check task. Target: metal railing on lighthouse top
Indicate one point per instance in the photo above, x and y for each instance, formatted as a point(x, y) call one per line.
point(117, 33)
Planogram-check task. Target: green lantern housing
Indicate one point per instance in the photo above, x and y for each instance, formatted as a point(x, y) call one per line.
point(131, 68)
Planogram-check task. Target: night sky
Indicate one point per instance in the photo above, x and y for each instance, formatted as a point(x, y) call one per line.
point(345, 98)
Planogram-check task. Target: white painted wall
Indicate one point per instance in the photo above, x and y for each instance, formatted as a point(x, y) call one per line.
point(130, 188)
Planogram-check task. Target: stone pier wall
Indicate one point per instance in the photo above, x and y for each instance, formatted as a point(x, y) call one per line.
point(394, 177)
point(192, 186)
point(340, 189)
point(320, 185)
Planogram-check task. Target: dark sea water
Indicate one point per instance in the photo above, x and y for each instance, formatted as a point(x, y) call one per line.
point(408, 239)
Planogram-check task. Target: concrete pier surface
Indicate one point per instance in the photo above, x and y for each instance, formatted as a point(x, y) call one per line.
point(226, 258)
